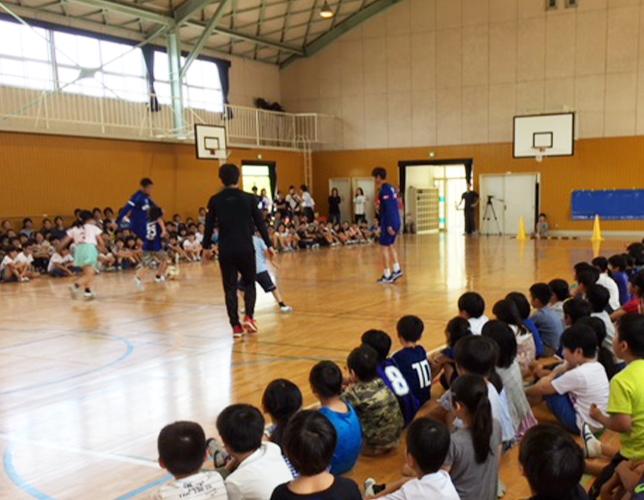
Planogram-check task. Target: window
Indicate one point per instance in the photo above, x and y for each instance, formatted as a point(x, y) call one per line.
point(201, 86)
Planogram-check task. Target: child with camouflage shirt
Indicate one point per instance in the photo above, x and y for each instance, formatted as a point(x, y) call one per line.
point(376, 406)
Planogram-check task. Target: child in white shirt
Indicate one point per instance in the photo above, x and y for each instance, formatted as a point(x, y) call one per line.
point(471, 306)
point(60, 264)
point(192, 247)
point(10, 269)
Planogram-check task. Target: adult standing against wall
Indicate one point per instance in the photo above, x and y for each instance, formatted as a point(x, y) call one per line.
point(471, 199)
point(237, 215)
point(308, 203)
point(138, 207)
point(334, 207)
point(294, 202)
point(359, 206)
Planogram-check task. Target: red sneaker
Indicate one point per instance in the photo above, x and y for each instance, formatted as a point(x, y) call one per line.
point(250, 325)
point(238, 332)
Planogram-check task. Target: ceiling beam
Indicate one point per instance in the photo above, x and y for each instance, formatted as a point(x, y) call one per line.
point(129, 10)
point(342, 28)
point(187, 9)
point(201, 43)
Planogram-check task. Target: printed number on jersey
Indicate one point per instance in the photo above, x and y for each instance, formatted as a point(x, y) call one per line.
point(424, 372)
point(398, 382)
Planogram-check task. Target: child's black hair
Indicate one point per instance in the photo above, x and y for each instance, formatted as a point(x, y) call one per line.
point(521, 301)
point(428, 443)
point(582, 266)
point(504, 337)
point(636, 251)
point(598, 298)
point(363, 361)
point(576, 308)
point(380, 341)
point(581, 337)
point(604, 356)
point(229, 174)
point(588, 277)
point(541, 292)
point(477, 355)
point(281, 400)
point(618, 263)
point(601, 263)
point(326, 379)
point(241, 427)
point(84, 216)
point(471, 391)
point(637, 280)
point(182, 448)
point(630, 330)
point(560, 288)
point(379, 172)
point(410, 328)
point(472, 303)
point(457, 328)
point(309, 442)
point(155, 213)
point(145, 182)
point(552, 462)
point(508, 312)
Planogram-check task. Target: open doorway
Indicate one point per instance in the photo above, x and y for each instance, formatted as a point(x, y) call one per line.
point(260, 175)
point(450, 177)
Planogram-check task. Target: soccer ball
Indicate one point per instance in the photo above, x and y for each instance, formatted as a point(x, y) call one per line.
point(172, 273)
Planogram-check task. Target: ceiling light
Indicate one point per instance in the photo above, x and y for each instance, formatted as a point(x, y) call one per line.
point(326, 11)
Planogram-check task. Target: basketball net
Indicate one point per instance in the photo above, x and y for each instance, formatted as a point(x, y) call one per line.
point(220, 154)
point(540, 154)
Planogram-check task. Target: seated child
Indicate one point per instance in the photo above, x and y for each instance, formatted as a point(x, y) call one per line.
point(61, 264)
point(575, 309)
point(475, 450)
point(471, 306)
point(257, 467)
point(605, 357)
point(428, 443)
point(390, 373)
point(457, 328)
point(523, 307)
point(10, 269)
point(309, 442)
point(605, 280)
point(542, 229)
point(379, 412)
point(552, 463)
point(412, 358)
point(617, 266)
point(508, 369)
point(546, 319)
point(598, 298)
point(636, 304)
point(326, 384)
point(560, 293)
point(25, 261)
point(182, 449)
point(569, 395)
point(506, 311)
point(192, 247)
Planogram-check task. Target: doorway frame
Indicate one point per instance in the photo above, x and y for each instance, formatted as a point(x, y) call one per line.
point(272, 171)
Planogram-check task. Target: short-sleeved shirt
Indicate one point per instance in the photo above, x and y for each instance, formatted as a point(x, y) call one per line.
point(341, 489)
point(359, 203)
point(260, 254)
point(633, 306)
point(58, 259)
point(201, 486)
point(349, 431)
point(477, 324)
point(474, 481)
point(549, 325)
point(609, 341)
point(380, 416)
point(621, 279)
point(138, 206)
point(307, 200)
point(431, 486)
point(24, 259)
point(470, 197)
point(152, 242)
point(585, 385)
point(413, 364)
point(388, 202)
point(627, 398)
point(613, 290)
point(87, 234)
point(334, 204)
point(396, 382)
point(6, 261)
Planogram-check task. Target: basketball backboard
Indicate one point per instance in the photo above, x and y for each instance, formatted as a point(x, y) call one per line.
point(536, 136)
point(210, 142)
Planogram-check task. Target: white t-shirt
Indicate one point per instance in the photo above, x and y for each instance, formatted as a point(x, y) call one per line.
point(24, 259)
point(609, 284)
point(199, 238)
point(307, 200)
point(58, 259)
point(586, 385)
point(191, 245)
point(437, 485)
point(477, 324)
point(88, 234)
point(359, 203)
point(6, 261)
point(202, 486)
point(258, 475)
point(610, 332)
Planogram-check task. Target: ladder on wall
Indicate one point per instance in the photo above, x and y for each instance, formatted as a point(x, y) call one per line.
point(307, 153)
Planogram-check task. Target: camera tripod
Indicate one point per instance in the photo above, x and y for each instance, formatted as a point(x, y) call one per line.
point(488, 214)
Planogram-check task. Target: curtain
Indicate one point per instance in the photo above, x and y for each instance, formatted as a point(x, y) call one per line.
point(468, 172)
point(148, 56)
point(272, 177)
point(223, 67)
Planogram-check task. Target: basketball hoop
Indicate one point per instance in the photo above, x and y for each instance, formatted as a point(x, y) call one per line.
point(219, 154)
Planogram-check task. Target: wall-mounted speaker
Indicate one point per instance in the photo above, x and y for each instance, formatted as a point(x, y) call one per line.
point(552, 4)
point(572, 4)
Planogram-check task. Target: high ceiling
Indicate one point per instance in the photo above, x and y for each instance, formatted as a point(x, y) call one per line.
point(272, 31)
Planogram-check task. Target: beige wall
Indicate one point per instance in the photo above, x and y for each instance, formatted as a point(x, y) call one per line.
point(443, 72)
point(250, 80)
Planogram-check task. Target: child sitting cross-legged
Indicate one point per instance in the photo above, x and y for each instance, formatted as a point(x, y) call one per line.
point(412, 358)
point(182, 449)
point(379, 412)
point(428, 443)
point(309, 442)
point(456, 329)
point(326, 384)
point(471, 306)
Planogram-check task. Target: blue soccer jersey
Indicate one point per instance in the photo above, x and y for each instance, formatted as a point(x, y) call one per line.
point(395, 381)
point(414, 366)
point(389, 214)
point(153, 242)
point(138, 208)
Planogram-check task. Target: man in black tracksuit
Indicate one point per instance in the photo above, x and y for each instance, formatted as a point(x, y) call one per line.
point(237, 215)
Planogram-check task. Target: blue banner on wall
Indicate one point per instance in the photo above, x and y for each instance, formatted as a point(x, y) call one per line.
point(621, 204)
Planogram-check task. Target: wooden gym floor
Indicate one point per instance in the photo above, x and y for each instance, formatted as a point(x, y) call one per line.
point(85, 387)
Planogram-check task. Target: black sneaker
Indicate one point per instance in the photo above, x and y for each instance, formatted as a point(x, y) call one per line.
point(386, 281)
point(397, 275)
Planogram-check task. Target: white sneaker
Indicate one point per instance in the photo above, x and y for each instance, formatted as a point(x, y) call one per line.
point(139, 283)
point(286, 309)
point(24, 279)
point(368, 487)
point(89, 295)
point(159, 279)
point(73, 291)
point(592, 445)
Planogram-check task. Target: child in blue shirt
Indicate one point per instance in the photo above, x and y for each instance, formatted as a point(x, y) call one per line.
point(326, 384)
point(412, 358)
point(263, 277)
point(617, 265)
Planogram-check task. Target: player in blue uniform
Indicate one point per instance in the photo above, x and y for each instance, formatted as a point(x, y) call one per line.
point(138, 208)
point(154, 255)
point(389, 226)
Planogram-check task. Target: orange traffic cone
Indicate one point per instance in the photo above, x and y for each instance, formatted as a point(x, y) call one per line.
point(597, 231)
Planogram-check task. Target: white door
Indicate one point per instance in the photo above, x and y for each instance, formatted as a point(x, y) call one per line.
point(368, 186)
point(512, 196)
point(344, 189)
